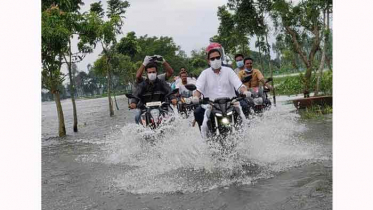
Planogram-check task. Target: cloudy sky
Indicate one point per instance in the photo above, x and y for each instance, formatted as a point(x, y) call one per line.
point(189, 22)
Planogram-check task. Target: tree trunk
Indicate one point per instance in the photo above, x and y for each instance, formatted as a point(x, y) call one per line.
point(115, 99)
point(108, 89)
point(328, 63)
point(322, 63)
point(260, 55)
point(307, 81)
point(61, 120)
point(72, 90)
point(294, 63)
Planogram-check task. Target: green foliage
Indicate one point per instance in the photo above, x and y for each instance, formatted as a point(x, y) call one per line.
point(129, 45)
point(98, 9)
point(293, 85)
point(55, 37)
point(117, 8)
point(230, 34)
point(64, 5)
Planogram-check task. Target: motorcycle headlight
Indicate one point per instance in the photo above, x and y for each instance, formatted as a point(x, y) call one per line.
point(230, 113)
point(155, 114)
point(218, 114)
point(225, 121)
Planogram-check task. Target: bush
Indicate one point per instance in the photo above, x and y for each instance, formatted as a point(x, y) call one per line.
point(293, 85)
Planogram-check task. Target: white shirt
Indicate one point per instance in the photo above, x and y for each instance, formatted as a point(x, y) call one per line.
point(182, 90)
point(223, 84)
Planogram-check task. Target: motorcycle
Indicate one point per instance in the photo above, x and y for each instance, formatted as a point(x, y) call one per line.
point(224, 118)
point(184, 104)
point(260, 100)
point(154, 113)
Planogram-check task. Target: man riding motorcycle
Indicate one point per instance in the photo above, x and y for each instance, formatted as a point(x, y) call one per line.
point(184, 95)
point(149, 90)
point(217, 81)
point(252, 78)
point(184, 80)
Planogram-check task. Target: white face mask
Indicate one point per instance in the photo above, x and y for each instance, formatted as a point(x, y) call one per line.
point(152, 76)
point(215, 64)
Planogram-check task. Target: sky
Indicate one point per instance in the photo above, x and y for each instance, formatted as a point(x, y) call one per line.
point(190, 23)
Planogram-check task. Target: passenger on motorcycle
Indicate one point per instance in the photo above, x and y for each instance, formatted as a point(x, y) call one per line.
point(149, 90)
point(256, 76)
point(239, 63)
point(156, 59)
point(217, 81)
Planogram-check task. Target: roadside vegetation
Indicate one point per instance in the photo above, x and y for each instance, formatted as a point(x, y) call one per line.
point(292, 85)
point(315, 112)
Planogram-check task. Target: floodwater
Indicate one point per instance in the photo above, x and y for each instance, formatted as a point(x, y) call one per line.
point(280, 162)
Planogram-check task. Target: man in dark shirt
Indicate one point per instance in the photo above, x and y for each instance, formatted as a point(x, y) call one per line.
point(151, 89)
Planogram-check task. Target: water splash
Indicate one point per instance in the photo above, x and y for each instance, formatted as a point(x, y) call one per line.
point(181, 161)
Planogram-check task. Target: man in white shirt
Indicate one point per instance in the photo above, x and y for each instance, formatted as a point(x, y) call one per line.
point(216, 82)
point(184, 80)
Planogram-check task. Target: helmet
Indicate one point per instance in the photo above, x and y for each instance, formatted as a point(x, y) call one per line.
point(215, 45)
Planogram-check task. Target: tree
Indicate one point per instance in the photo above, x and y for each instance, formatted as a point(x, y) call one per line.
point(302, 23)
point(63, 5)
point(325, 33)
point(55, 37)
point(231, 35)
point(104, 32)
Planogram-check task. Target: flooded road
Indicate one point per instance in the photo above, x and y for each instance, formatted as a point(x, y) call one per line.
point(280, 162)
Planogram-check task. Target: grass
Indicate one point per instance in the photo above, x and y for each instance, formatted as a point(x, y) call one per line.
point(316, 112)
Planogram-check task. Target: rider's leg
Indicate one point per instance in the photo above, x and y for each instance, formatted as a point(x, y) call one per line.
point(245, 106)
point(198, 115)
point(138, 116)
point(204, 127)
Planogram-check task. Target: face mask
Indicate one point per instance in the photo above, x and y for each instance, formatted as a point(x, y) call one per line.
point(248, 70)
point(215, 64)
point(152, 76)
point(239, 64)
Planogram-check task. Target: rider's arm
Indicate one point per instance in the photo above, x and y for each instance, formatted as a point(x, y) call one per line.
point(262, 80)
point(197, 94)
point(266, 84)
point(243, 88)
point(200, 84)
point(139, 73)
point(168, 69)
point(236, 82)
point(137, 93)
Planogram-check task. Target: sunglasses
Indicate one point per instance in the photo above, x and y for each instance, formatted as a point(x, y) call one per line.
point(217, 58)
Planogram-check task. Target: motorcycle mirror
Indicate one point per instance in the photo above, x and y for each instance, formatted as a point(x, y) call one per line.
point(247, 78)
point(190, 87)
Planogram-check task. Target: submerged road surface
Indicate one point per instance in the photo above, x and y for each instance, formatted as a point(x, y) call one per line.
point(280, 162)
